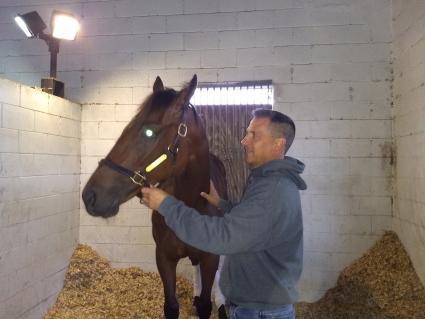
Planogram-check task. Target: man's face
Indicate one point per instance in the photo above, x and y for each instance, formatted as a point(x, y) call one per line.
point(260, 146)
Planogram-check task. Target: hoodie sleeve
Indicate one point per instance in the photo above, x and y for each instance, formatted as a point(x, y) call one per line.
point(246, 227)
point(225, 205)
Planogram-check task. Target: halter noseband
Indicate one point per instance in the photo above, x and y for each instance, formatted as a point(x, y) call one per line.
point(139, 177)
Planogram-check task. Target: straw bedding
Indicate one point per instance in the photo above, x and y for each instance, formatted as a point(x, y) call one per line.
point(382, 284)
point(95, 290)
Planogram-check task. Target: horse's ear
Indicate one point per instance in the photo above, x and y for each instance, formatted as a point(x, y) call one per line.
point(192, 86)
point(189, 89)
point(158, 85)
point(182, 100)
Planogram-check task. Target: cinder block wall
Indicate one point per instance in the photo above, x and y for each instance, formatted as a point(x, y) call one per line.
point(39, 197)
point(409, 128)
point(329, 61)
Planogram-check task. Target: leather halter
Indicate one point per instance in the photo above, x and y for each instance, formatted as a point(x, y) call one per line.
point(139, 177)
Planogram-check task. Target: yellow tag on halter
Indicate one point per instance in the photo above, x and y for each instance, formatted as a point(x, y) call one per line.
point(156, 162)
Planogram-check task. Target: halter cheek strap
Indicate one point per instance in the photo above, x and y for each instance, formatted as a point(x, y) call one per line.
point(173, 148)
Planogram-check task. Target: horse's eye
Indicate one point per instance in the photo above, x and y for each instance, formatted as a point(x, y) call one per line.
point(148, 132)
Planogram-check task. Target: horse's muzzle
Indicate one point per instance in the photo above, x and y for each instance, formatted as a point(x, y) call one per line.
point(95, 207)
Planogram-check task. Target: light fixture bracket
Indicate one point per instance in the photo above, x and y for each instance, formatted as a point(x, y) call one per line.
point(53, 86)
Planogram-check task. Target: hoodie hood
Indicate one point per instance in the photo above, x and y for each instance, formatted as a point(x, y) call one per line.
point(288, 166)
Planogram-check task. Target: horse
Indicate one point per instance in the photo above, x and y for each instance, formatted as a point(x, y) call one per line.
point(164, 145)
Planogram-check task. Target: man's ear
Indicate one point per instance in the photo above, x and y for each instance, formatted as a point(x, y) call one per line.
point(280, 145)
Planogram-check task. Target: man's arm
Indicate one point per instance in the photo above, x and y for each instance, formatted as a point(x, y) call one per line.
point(246, 228)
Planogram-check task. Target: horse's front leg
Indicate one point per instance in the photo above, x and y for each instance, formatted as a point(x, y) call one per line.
point(208, 265)
point(167, 271)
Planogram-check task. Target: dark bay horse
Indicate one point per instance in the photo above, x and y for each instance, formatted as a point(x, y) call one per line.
point(165, 145)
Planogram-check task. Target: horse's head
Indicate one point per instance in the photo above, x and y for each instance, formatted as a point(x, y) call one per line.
point(153, 148)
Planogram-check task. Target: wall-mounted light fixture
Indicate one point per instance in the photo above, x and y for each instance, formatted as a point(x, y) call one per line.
point(64, 26)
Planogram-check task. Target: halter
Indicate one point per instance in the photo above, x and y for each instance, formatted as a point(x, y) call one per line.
point(139, 177)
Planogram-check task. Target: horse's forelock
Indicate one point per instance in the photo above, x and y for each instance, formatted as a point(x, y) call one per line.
point(158, 101)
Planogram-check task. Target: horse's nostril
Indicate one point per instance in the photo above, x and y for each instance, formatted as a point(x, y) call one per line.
point(89, 198)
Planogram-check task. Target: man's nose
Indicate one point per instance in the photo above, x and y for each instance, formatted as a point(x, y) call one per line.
point(244, 141)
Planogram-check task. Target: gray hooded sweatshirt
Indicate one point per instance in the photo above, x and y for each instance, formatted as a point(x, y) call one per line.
point(261, 236)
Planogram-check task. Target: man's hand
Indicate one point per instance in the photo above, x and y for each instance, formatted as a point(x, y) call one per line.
point(212, 197)
point(153, 197)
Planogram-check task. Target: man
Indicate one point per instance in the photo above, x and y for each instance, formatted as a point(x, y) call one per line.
point(262, 235)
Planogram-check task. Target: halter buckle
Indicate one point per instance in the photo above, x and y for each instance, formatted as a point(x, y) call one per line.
point(171, 151)
point(138, 179)
point(182, 130)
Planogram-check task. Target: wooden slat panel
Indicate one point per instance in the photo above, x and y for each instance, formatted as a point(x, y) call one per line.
point(225, 127)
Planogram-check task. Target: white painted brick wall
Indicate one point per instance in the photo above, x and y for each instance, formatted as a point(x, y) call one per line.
point(39, 201)
point(409, 129)
point(329, 61)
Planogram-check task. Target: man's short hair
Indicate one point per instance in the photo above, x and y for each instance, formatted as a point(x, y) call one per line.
point(281, 125)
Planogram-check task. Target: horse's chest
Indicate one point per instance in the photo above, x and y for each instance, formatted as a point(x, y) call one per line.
point(165, 238)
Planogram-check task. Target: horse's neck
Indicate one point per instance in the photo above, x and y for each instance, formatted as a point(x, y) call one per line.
point(195, 177)
point(193, 181)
